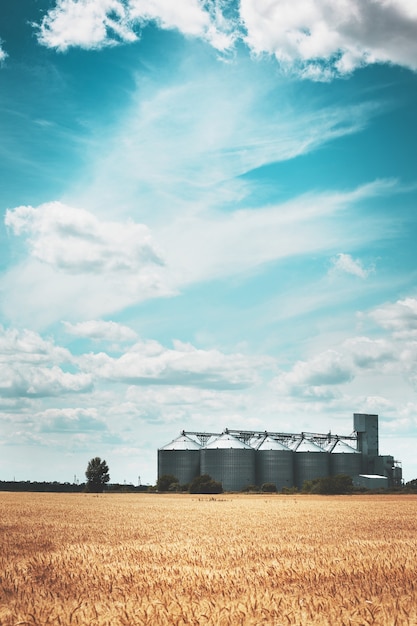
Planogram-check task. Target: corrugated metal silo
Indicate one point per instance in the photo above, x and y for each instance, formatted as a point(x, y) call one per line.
point(274, 464)
point(344, 459)
point(310, 462)
point(181, 458)
point(229, 461)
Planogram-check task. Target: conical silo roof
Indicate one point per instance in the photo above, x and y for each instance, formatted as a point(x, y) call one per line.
point(293, 443)
point(307, 445)
point(183, 442)
point(227, 441)
point(341, 447)
point(328, 445)
point(271, 444)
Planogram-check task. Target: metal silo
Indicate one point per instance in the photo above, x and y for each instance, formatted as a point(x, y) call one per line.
point(229, 461)
point(274, 464)
point(310, 462)
point(344, 459)
point(181, 458)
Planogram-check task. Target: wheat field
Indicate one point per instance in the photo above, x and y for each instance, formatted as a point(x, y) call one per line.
point(133, 559)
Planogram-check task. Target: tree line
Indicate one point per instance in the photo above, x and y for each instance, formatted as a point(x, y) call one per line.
point(98, 478)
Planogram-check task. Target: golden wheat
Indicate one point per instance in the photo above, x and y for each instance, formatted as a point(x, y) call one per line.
point(111, 560)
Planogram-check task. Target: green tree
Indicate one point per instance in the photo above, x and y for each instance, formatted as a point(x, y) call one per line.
point(97, 474)
point(205, 484)
point(165, 481)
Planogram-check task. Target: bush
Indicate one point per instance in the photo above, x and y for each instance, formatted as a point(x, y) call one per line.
point(165, 481)
point(330, 485)
point(269, 488)
point(205, 484)
point(289, 490)
point(411, 486)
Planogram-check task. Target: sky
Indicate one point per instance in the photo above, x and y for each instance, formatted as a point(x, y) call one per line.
point(208, 221)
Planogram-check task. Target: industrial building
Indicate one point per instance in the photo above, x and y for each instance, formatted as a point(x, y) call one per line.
point(240, 458)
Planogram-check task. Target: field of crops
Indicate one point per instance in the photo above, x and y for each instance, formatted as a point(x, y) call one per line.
point(158, 559)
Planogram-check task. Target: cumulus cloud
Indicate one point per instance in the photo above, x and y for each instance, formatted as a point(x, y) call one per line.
point(306, 377)
point(26, 346)
point(370, 353)
point(323, 38)
point(94, 24)
point(346, 264)
point(399, 317)
point(101, 330)
point(150, 363)
point(38, 381)
point(69, 420)
point(318, 39)
point(315, 378)
point(85, 23)
point(75, 241)
point(77, 262)
point(30, 367)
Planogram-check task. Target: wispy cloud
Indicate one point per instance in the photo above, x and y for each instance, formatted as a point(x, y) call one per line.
point(74, 252)
point(187, 145)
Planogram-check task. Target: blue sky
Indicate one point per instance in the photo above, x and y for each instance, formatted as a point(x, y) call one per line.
point(208, 221)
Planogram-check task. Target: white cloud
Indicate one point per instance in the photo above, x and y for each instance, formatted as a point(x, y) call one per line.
point(84, 268)
point(101, 330)
point(78, 266)
point(30, 367)
point(69, 420)
point(323, 38)
point(97, 23)
point(346, 264)
point(85, 23)
point(37, 381)
point(318, 39)
point(3, 53)
point(191, 17)
point(370, 353)
point(26, 346)
point(358, 361)
point(399, 317)
point(75, 241)
point(184, 146)
point(306, 377)
point(203, 246)
point(150, 363)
